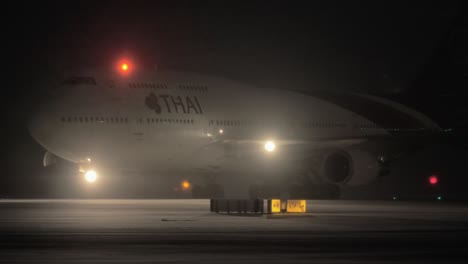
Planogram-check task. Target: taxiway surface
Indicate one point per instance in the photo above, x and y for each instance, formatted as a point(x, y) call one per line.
point(176, 231)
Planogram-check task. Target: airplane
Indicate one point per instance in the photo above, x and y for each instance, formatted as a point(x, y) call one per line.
point(307, 144)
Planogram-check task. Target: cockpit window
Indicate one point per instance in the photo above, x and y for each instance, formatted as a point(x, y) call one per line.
point(79, 80)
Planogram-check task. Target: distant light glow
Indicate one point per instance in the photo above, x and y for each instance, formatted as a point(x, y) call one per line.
point(221, 131)
point(433, 180)
point(185, 185)
point(270, 146)
point(90, 176)
point(439, 198)
point(124, 66)
point(394, 198)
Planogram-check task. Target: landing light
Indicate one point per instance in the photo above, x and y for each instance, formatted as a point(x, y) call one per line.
point(90, 176)
point(270, 146)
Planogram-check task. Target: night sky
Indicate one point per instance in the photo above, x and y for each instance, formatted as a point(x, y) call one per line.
point(414, 52)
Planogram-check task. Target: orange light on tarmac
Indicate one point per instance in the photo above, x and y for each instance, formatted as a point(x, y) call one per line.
point(124, 67)
point(185, 185)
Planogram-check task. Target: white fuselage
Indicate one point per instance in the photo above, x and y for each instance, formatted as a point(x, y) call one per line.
point(169, 120)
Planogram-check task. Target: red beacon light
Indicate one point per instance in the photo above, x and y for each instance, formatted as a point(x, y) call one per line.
point(433, 180)
point(124, 67)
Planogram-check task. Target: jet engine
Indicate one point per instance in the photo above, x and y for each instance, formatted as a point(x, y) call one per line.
point(350, 167)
